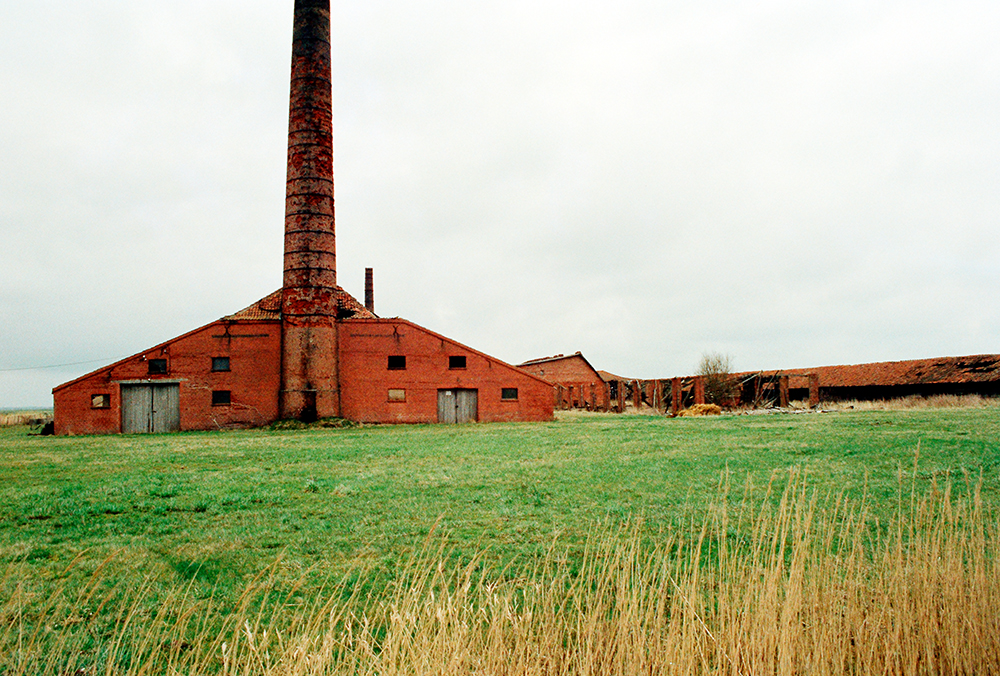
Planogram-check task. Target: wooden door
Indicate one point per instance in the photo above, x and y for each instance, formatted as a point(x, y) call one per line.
point(458, 406)
point(151, 408)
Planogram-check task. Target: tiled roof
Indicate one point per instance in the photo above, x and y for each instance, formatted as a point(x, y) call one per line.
point(269, 307)
point(542, 360)
point(980, 368)
point(564, 371)
point(348, 302)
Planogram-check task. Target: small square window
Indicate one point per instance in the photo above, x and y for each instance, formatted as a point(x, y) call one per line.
point(100, 401)
point(157, 365)
point(397, 362)
point(220, 363)
point(397, 395)
point(221, 397)
point(508, 393)
point(456, 362)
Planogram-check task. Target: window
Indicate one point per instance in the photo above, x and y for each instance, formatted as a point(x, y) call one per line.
point(220, 363)
point(100, 401)
point(397, 395)
point(508, 393)
point(157, 365)
point(456, 362)
point(397, 362)
point(221, 397)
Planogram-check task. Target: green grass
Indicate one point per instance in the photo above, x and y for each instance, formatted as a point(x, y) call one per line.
point(211, 510)
point(107, 542)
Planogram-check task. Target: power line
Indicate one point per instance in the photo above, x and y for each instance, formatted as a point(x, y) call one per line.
point(56, 366)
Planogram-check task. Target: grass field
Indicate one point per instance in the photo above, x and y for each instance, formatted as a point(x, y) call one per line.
point(271, 527)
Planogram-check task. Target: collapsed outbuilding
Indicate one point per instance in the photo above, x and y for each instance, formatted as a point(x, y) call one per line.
point(309, 350)
point(971, 374)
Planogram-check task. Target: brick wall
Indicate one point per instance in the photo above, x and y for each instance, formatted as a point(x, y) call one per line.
point(253, 380)
point(576, 376)
point(366, 379)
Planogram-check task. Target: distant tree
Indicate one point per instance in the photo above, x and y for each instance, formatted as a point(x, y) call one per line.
point(720, 384)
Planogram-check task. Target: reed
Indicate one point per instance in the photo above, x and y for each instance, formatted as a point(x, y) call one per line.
point(800, 582)
point(17, 418)
point(914, 402)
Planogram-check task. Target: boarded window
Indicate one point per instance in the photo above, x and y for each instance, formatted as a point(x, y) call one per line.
point(221, 397)
point(397, 395)
point(100, 401)
point(157, 365)
point(508, 393)
point(456, 362)
point(220, 363)
point(397, 362)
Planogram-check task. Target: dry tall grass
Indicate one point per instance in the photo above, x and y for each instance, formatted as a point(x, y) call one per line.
point(24, 418)
point(800, 585)
point(914, 402)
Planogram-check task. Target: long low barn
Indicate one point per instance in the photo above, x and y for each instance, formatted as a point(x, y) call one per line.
point(228, 374)
point(974, 374)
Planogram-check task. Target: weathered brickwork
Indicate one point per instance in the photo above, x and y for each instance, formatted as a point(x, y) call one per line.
point(309, 387)
point(251, 348)
point(252, 352)
point(578, 384)
point(367, 345)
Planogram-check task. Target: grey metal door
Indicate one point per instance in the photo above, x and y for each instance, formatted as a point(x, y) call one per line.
point(458, 406)
point(151, 408)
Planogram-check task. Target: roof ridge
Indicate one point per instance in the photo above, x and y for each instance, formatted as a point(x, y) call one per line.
point(269, 307)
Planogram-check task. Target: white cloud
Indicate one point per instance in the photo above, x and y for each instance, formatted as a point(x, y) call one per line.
point(792, 183)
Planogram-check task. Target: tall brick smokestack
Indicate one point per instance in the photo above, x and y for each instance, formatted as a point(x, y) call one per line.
point(369, 290)
point(309, 368)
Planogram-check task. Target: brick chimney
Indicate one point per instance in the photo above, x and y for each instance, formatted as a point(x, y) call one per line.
point(369, 290)
point(309, 368)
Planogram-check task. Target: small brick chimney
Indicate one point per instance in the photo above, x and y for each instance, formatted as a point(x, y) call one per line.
point(369, 290)
point(309, 368)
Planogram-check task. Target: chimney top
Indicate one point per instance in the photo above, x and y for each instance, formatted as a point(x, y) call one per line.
point(369, 291)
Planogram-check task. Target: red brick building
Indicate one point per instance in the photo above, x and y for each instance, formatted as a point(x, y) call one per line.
point(309, 350)
point(581, 384)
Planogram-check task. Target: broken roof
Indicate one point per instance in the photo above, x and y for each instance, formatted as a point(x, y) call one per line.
point(268, 308)
point(561, 357)
point(980, 368)
point(607, 377)
point(558, 357)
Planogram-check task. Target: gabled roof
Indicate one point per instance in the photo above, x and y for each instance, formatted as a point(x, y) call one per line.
point(558, 357)
point(542, 360)
point(268, 308)
point(562, 377)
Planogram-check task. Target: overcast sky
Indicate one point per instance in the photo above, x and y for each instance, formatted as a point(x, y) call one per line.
point(791, 183)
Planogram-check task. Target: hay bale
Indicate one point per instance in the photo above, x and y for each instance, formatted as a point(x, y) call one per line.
point(701, 409)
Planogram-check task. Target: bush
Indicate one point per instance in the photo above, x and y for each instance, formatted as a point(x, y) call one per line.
point(720, 385)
